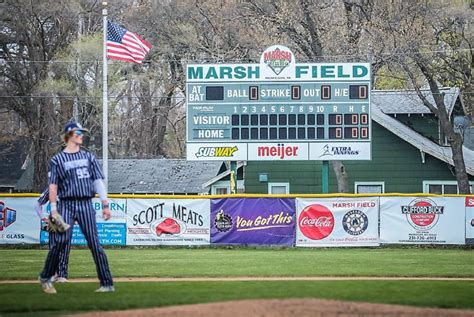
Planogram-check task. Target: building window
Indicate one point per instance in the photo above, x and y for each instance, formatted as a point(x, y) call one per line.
point(369, 187)
point(442, 187)
point(223, 187)
point(220, 191)
point(278, 188)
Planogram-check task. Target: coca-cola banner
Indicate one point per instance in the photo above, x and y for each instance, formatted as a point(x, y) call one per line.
point(255, 221)
point(470, 219)
point(168, 221)
point(422, 220)
point(337, 222)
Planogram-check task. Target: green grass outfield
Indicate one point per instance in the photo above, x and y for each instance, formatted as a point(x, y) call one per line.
point(23, 299)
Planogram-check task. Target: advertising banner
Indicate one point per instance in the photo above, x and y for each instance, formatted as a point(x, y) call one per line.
point(261, 221)
point(216, 151)
point(470, 219)
point(168, 221)
point(111, 232)
point(19, 222)
point(422, 220)
point(337, 222)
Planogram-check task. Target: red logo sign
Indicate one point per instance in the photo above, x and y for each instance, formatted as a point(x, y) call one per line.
point(277, 59)
point(168, 227)
point(422, 213)
point(469, 201)
point(316, 222)
point(280, 151)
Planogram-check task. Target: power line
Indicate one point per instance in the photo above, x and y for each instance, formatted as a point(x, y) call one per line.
point(182, 97)
point(92, 97)
point(246, 60)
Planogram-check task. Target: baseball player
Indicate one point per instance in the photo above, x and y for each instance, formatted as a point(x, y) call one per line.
point(62, 273)
point(75, 176)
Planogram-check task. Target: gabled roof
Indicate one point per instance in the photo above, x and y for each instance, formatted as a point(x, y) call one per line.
point(13, 153)
point(150, 176)
point(408, 102)
point(160, 176)
point(221, 175)
point(417, 140)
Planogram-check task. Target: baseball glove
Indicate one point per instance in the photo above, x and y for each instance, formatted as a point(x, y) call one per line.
point(56, 224)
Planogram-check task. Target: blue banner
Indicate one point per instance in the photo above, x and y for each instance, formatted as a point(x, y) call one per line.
point(109, 234)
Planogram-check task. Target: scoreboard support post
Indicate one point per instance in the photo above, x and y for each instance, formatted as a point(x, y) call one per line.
point(325, 177)
point(233, 177)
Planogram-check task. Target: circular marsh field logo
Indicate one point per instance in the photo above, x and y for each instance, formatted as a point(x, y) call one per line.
point(355, 222)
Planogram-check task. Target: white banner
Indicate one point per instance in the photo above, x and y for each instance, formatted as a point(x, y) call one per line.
point(330, 151)
point(19, 222)
point(337, 222)
point(470, 219)
point(283, 151)
point(422, 220)
point(168, 221)
point(216, 151)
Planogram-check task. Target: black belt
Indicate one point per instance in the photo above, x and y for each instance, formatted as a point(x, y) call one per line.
point(74, 198)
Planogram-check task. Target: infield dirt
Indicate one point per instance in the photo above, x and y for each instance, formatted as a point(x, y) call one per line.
point(284, 308)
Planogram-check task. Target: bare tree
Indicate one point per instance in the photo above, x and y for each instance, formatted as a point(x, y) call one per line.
point(431, 42)
point(32, 33)
point(312, 28)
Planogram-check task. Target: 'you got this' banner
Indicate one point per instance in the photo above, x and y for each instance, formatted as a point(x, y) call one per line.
point(253, 221)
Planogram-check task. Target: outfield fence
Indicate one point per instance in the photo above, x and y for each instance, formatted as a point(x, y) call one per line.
point(335, 220)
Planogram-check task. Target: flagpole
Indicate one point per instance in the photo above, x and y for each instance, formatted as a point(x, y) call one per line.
point(105, 141)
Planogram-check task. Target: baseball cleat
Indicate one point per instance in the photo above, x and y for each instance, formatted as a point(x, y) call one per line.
point(59, 279)
point(47, 286)
point(105, 289)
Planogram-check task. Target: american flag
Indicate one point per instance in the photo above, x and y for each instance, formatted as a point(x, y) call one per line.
point(124, 45)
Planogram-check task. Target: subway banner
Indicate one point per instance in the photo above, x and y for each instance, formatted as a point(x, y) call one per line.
point(422, 220)
point(470, 219)
point(168, 221)
point(111, 232)
point(337, 222)
point(253, 221)
point(19, 223)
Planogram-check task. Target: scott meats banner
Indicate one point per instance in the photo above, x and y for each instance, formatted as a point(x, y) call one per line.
point(337, 222)
point(168, 222)
point(265, 221)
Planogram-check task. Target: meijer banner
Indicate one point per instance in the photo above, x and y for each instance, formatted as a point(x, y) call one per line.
point(261, 221)
point(19, 222)
point(422, 220)
point(168, 221)
point(337, 222)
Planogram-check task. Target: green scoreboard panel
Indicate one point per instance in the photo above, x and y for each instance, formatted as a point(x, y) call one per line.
point(278, 110)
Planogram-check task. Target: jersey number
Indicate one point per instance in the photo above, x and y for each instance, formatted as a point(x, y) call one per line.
point(82, 173)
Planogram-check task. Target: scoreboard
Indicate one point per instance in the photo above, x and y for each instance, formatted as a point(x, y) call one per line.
point(278, 110)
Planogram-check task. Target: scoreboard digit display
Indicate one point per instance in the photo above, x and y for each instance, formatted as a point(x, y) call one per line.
point(278, 110)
